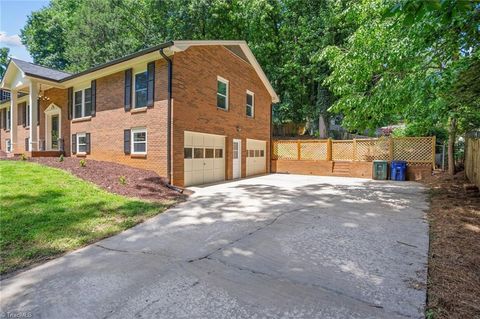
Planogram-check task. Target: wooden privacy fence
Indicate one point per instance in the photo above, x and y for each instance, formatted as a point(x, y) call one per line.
point(414, 150)
point(472, 160)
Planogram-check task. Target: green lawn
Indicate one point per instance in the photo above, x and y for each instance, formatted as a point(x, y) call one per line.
point(46, 212)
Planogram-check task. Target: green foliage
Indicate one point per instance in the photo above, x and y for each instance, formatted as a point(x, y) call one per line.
point(47, 212)
point(4, 58)
point(23, 157)
point(83, 163)
point(285, 36)
point(122, 180)
point(61, 159)
point(408, 60)
point(376, 62)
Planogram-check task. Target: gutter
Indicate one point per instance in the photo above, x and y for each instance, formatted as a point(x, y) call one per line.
point(169, 117)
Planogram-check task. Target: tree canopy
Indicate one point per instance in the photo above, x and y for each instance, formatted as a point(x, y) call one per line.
point(375, 62)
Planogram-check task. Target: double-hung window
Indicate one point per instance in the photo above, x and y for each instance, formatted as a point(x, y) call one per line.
point(139, 141)
point(222, 93)
point(82, 103)
point(250, 104)
point(140, 89)
point(81, 142)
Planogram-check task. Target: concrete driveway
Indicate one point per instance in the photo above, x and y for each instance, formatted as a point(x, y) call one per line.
point(277, 246)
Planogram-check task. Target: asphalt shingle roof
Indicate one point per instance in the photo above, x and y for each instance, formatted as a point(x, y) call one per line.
point(40, 71)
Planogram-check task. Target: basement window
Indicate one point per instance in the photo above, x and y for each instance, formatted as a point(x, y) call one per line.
point(139, 141)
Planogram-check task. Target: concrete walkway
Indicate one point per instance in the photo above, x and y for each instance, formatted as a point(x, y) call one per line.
point(277, 246)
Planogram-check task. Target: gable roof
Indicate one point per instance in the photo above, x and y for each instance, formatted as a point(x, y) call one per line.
point(240, 48)
point(39, 71)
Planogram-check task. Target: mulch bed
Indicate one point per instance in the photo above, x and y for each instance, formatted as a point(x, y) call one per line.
point(139, 183)
point(454, 258)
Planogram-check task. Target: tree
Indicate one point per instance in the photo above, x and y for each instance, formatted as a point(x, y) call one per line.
point(403, 63)
point(4, 58)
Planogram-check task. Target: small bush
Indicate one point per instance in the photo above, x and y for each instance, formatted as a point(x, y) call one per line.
point(23, 157)
point(122, 180)
point(83, 163)
point(60, 159)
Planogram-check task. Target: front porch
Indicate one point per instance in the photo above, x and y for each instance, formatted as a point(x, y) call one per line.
point(37, 117)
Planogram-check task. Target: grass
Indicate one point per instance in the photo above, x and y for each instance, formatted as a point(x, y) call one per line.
point(46, 212)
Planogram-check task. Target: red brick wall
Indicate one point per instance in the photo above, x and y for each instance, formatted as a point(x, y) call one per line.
point(195, 74)
point(106, 128)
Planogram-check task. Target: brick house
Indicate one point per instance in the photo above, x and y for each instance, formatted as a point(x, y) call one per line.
point(192, 111)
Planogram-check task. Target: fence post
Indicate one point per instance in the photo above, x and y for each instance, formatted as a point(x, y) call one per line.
point(299, 152)
point(434, 145)
point(329, 149)
point(354, 149)
point(390, 149)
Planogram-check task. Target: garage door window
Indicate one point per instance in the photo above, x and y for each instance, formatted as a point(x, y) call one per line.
point(198, 153)
point(218, 153)
point(139, 141)
point(187, 152)
point(209, 153)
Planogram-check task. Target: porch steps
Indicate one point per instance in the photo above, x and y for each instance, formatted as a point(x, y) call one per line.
point(341, 169)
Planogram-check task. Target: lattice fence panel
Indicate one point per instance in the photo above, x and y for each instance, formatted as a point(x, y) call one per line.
point(372, 149)
point(413, 149)
point(285, 150)
point(316, 151)
point(342, 150)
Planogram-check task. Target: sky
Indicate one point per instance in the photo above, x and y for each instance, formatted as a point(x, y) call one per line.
point(13, 16)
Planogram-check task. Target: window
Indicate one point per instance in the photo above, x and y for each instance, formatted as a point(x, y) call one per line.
point(250, 104)
point(139, 141)
point(222, 93)
point(140, 94)
point(187, 152)
point(198, 153)
point(27, 115)
point(209, 153)
point(218, 153)
point(262, 153)
point(82, 100)
point(8, 145)
point(81, 142)
point(8, 119)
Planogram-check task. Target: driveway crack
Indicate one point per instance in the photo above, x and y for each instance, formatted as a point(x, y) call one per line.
point(229, 244)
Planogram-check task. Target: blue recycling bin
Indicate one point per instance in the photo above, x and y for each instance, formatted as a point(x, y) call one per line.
point(398, 170)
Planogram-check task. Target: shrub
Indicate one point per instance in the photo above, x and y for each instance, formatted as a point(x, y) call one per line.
point(83, 163)
point(60, 159)
point(122, 180)
point(23, 157)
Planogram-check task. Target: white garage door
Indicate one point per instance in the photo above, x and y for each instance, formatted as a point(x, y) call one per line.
point(256, 157)
point(204, 158)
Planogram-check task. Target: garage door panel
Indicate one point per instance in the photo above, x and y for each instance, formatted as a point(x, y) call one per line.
point(256, 157)
point(208, 163)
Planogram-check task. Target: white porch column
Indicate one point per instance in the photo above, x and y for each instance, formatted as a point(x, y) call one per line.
point(33, 96)
point(13, 120)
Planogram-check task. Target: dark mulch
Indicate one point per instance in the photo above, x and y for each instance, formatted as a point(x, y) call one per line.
point(454, 261)
point(139, 183)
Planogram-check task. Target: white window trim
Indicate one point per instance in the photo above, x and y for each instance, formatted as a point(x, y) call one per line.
point(132, 141)
point(83, 115)
point(253, 104)
point(83, 134)
point(226, 82)
point(134, 93)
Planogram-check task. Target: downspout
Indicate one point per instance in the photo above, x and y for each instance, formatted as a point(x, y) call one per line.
point(169, 118)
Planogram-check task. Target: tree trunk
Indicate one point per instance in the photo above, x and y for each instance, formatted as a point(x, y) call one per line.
point(452, 130)
point(322, 127)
